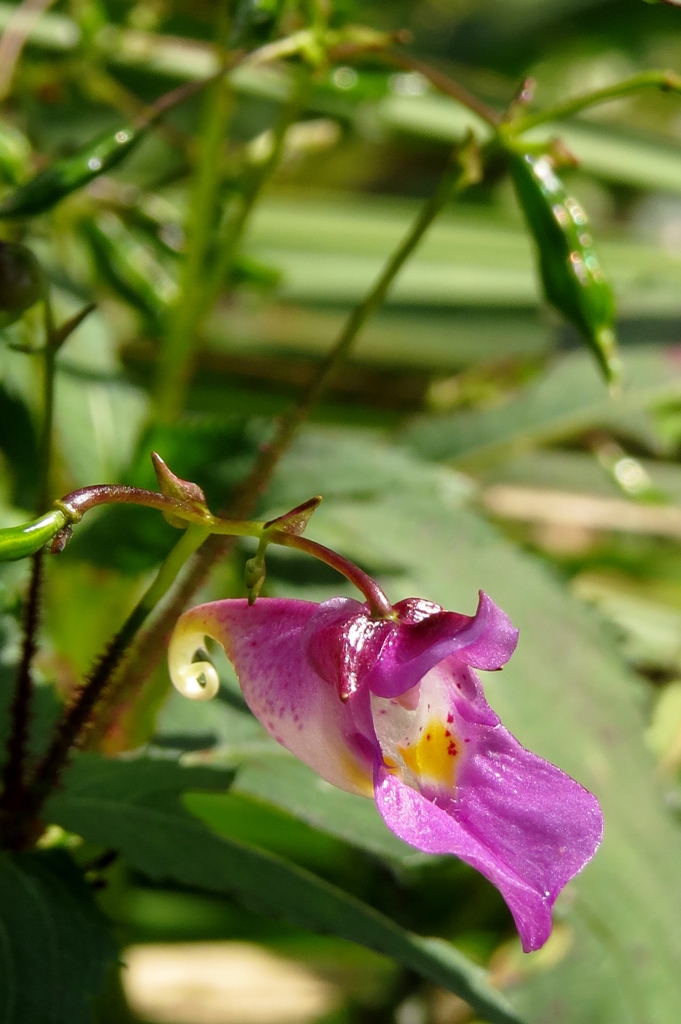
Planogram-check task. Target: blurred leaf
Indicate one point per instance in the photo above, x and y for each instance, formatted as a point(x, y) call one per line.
point(580, 473)
point(569, 399)
point(19, 446)
point(294, 787)
point(605, 152)
point(15, 153)
point(55, 945)
point(566, 695)
point(328, 249)
point(129, 266)
point(439, 341)
point(651, 629)
point(98, 413)
point(257, 822)
point(136, 807)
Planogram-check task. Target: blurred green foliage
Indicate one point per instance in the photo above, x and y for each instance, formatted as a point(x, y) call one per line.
point(468, 441)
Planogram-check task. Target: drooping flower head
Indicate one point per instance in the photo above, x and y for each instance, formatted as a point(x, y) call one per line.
point(392, 708)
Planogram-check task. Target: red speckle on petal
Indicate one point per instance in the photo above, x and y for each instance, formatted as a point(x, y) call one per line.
point(428, 736)
point(450, 718)
point(447, 732)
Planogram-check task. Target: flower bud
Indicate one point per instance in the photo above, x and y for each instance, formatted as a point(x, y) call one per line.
point(254, 574)
point(21, 281)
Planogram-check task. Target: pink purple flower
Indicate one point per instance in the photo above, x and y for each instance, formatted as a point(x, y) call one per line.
point(393, 709)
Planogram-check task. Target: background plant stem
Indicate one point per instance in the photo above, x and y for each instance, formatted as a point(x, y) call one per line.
point(179, 346)
point(78, 716)
point(13, 781)
point(147, 649)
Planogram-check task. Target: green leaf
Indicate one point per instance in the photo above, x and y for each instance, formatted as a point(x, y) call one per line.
point(136, 807)
point(55, 945)
point(295, 788)
point(569, 399)
point(567, 695)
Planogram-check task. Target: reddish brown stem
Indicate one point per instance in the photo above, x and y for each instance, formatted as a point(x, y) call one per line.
point(379, 604)
point(443, 83)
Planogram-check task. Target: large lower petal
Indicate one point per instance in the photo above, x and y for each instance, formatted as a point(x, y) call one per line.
point(298, 708)
point(454, 784)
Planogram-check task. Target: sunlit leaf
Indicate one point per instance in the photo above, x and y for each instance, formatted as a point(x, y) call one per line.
point(136, 807)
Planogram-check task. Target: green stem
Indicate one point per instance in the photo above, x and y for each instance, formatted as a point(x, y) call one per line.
point(148, 645)
point(462, 171)
point(180, 343)
point(47, 428)
point(237, 224)
point(668, 81)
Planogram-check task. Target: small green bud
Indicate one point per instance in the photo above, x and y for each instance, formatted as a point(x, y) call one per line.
point(21, 281)
point(182, 490)
point(254, 575)
point(295, 521)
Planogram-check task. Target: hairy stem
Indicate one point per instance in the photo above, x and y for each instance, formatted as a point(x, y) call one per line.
point(19, 715)
point(20, 711)
point(78, 717)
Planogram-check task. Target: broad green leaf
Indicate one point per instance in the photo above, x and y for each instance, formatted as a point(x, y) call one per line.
point(567, 695)
point(569, 399)
point(55, 945)
point(218, 733)
point(257, 822)
point(295, 788)
point(136, 807)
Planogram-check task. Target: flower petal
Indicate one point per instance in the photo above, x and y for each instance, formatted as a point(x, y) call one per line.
point(343, 643)
point(298, 708)
point(486, 640)
point(457, 784)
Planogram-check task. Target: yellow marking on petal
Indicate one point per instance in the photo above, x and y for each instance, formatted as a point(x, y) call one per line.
point(434, 755)
point(359, 779)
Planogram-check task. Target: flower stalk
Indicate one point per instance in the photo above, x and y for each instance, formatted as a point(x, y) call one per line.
point(463, 170)
point(666, 81)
